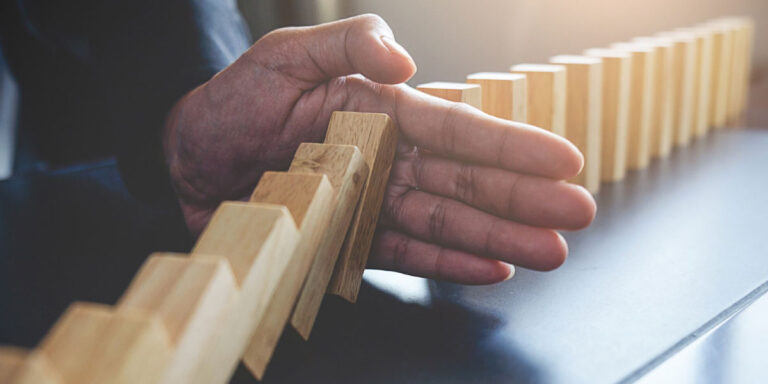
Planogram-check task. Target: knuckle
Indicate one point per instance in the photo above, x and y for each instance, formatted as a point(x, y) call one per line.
point(436, 220)
point(464, 182)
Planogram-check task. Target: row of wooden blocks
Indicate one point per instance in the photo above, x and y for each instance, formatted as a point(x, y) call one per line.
point(628, 103)
point(256, 267)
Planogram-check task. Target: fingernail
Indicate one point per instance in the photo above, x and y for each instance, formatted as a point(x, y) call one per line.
point(511, 272)
point(394, 47)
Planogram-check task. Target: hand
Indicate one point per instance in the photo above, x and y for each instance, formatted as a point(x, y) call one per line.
point(467, 194)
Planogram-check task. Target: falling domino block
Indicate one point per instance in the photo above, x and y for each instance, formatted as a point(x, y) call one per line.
point(347, 172)
point(18, 366)
point(684, 75)
point(617, 67)
point(376, 137)
point(661, 123)
point(470, 94)
point(503, 94)
point(190, 296)
point(584, 113)
point(640, 103)
point(546, 95)
point(92, 343)
point(702, 77)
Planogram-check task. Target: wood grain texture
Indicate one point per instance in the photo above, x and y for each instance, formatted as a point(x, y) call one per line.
point(458, 92)
point(546, 95)
point(503, 94)
point(92, 343)
point(309, 198)
point(376, 137)
point(617, 67)
point(661, 123)
point(640, 103)
point(684, 63)
point(347, 171)
point(259, 242)
point(19, 366)
point(584, 87)
point(190, 296)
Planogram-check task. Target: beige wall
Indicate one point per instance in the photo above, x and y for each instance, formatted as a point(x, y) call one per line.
point(451, 38)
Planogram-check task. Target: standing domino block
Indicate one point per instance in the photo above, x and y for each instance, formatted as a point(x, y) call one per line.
point(661, 125)
point(640, 103)
point(259, 242)
point(721, 54)
point(503, 94)
point(702, 78)
point(457, 92)
point(684, 75)
point(584, 77)
point(190, 296)
point(376, 137)
point(617, 67)
point(546, 95)
point(749, 37)
point(18, 366)
point(347, 171)
point(93, 344)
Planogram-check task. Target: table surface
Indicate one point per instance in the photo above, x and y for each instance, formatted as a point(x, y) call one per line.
point(675, 251)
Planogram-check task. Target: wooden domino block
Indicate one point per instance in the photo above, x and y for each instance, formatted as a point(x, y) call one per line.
point(503, 94)
point(702, 77)
point(309, 198)
point(259, 242)
point(736, 36)
point(92, 343)
point(640, 103)
point(546, 95)
point(190, 296)
point(617, 67)
point(457, 92)
point(684, 76)
point(18, 366)
point(347, 172)
point(661, 123)
point(749, 37)
point(721, 56)
point(584, 76)
point(376, 137)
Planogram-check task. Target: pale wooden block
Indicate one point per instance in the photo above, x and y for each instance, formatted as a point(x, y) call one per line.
point(190, 296)
point(685, 83)
point(702, 76)
point(661, 123)
point(617, 68)
point(347, 171)
point(721, 55)
point(584, 85)
point(736, 30)
point(259, 240)
point(19, 366)
point(640, 103)
point(546, 95)
point(376, 137)
point(309, 198)
point(748, 52)
point(458, 92)
point(503, 94)
point(92, 343)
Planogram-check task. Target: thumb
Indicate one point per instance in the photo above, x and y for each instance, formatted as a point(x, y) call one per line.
point(362, 44)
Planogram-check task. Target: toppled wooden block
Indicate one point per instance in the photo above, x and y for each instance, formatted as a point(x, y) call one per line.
point(376, 137)
point(458, 92)
point(546, 95)
point(503, 94)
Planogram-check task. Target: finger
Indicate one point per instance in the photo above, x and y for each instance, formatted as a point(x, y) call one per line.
point(447, 222)
point(535, 201)
point(395, 251)
point(363, 44)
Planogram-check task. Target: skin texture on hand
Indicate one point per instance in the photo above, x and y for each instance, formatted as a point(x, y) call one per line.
point(467, 194)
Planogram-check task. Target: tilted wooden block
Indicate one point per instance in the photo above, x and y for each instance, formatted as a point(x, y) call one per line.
point(685, 83)
point(661, 123)
point(640, 103)
point(702, 77)
point(258, 240)
point(617, 67)
point(584, 84)
point(309, 198)
point(93, 343)
point(503, 94)
point(347, 171)
point(546, 95)
point(458, 92)
point(190, 296)
point(18, 366)
point(376, 137)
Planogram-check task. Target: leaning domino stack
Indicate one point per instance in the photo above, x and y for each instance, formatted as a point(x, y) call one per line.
point(259, 265)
